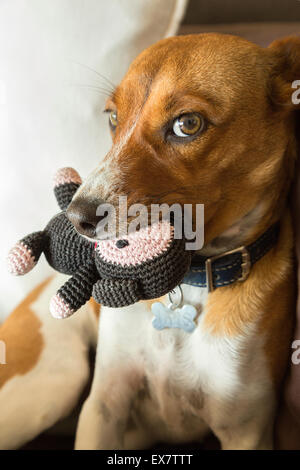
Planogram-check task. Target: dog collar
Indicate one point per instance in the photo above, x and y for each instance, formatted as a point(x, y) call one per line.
point(232, 266)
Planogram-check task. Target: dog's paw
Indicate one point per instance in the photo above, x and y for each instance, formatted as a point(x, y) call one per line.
point(59, 308)
point(20, 260)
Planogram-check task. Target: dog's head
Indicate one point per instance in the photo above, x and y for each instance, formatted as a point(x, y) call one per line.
point(201, 119)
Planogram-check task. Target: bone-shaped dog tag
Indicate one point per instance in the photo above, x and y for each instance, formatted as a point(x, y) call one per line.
point(179, 317)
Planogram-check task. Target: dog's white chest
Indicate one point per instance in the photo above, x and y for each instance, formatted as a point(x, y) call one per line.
point(181, 371)
point(196, 360)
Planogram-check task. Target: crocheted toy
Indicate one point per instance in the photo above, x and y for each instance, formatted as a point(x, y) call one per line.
point(117, 272)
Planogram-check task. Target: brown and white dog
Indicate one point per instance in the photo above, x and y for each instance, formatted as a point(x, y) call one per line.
point(237, 158)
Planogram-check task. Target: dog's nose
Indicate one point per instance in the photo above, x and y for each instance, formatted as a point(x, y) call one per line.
point(82, 213)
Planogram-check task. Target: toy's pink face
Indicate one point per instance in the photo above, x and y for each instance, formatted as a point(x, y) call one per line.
point(137, 247)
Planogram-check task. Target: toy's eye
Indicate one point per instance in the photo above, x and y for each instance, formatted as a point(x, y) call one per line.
point(188, 125)
point(113, 120)
point(122, 243)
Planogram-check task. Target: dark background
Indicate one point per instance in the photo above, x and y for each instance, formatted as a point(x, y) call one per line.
point(239, 11)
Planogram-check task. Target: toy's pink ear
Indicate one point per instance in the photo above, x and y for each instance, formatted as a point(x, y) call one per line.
point(66, 183)
point(65, 176)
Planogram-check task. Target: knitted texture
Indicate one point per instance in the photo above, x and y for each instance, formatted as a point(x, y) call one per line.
point(64, 194)
point(153, 278)
point(36, 243)
point(144, 265)
point(66, 182)
point(138, 246)
point(66, 175)
point(25, 254)
point(65, 250)
point(59, 308)
point(116, 292)
point(77, 290)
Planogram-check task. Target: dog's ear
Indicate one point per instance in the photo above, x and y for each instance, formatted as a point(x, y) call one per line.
point(285, 80)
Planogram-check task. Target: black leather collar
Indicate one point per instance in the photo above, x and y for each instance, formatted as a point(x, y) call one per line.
point(232, 266)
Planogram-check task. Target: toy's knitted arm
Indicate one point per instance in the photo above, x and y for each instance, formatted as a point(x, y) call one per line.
point(75, 292)
point(25, 254)
point(117, 292)
point(66, 183)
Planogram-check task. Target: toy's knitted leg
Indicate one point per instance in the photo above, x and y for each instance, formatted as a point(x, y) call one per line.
point(75, 292)
point(66, 183)
point(116, 292)
point(25, 254)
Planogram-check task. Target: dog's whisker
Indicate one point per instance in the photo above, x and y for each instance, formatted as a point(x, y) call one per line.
point(108, 81)
point(104, 91)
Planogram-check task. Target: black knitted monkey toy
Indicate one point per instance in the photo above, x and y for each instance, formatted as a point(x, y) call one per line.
point(145, 264)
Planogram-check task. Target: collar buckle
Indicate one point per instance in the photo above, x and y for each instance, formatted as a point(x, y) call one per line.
point(245, 265)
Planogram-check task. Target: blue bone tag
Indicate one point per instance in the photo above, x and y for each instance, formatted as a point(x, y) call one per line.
point(166, 317)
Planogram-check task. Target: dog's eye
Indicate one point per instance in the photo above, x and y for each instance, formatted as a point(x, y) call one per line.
point(113, 119)
point(188, 125)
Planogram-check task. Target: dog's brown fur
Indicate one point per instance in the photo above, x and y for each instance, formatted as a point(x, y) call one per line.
point(243, 92)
